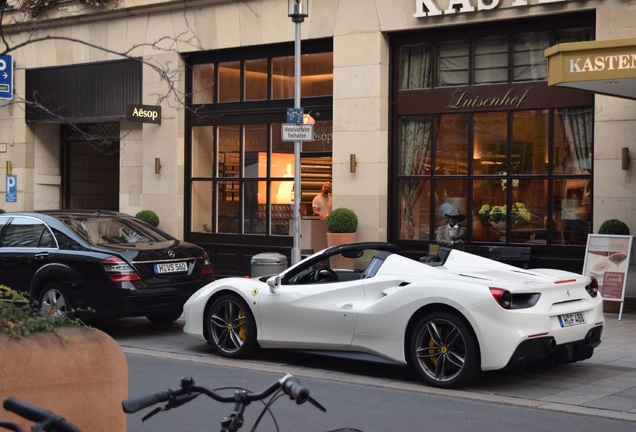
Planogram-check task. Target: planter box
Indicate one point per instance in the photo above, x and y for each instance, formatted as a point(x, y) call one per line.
point(80, 374)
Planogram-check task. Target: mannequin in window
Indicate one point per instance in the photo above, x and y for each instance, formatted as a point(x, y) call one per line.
point(452, 234)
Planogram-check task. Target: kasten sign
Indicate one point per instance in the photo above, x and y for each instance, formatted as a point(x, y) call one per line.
point(428, 8)
point(144, 114)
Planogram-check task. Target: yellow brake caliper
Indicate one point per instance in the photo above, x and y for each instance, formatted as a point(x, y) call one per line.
point(242, 327)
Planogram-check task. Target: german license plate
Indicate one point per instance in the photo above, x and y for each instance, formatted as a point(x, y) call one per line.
point(572, 319)
point(174, 267)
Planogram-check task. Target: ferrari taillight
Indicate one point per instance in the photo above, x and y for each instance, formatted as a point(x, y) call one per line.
point(207, 267)
point(592, 288)
point(119, 270)
point(502, 297)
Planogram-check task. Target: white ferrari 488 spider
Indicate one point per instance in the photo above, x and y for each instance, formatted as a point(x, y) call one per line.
point(451, 319)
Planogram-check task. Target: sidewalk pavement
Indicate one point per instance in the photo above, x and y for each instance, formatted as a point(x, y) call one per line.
point(607, 381)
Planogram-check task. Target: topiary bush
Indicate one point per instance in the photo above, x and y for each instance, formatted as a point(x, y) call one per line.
point(342, 220)
point(614, 226)
point(148, 216)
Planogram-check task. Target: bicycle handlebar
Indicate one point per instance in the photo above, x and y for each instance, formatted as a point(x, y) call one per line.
point(138, 403)
point(188, 391)
point(47, 419)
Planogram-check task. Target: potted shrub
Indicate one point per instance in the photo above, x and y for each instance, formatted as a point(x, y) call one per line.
point(614, 226)
point(148, 216)
point(51, 361)
point(342, 224)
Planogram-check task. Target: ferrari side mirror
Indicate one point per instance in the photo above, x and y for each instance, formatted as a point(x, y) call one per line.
point(273, 283)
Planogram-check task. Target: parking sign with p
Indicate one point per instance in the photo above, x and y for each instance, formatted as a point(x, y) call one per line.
point(11, 188)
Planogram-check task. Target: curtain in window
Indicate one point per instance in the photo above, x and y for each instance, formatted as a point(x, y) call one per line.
point(454, 63)
point(415, 137)
point(577, 130)
point(415, 66)
point(530, 63)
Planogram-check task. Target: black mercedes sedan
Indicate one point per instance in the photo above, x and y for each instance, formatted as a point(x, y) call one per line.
point(99, 264)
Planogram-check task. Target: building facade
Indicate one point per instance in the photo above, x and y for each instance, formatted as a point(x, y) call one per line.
point(419, 105)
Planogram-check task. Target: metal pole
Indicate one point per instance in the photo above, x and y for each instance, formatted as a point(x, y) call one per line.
point(297, 193)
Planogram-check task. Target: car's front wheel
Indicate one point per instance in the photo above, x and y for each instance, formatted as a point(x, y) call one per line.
point(231, 327)
point(444, 350)
point(54, 301)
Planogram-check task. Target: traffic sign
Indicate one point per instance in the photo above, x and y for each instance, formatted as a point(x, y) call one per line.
point(6, 77)
point(297, 132)
point(11, 188)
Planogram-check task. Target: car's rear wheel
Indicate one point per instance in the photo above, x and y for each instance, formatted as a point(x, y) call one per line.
point(444, 350)
point(54, 300)
point(164, 318)
point(231, 327)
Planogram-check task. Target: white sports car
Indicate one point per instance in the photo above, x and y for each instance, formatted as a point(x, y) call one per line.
point(451, 319)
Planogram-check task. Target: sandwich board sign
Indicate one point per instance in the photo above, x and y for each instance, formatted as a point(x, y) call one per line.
point(607, 258)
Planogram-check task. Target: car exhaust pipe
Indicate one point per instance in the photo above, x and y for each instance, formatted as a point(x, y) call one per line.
point(593, 336)
point(549, 346)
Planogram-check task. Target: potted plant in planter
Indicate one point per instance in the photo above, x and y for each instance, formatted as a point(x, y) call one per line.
point(614, 226)
point(342, 224)
point(60, 364)
point(148, 216)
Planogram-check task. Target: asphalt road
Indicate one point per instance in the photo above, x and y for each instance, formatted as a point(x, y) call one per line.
point(360, 394)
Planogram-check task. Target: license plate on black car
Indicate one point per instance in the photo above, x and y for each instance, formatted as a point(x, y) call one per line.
point(174, 267)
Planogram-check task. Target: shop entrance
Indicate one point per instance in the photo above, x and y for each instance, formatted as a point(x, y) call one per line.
point(90, 166)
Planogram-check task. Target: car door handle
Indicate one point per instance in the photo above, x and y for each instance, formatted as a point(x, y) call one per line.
point(41, 255)
point(347, 306)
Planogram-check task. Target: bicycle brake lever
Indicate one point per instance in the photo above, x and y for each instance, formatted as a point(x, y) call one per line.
point(151, 413)
point(174, 402)
point(317, 404)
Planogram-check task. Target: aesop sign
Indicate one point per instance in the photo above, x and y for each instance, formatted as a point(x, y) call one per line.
point(144, 114)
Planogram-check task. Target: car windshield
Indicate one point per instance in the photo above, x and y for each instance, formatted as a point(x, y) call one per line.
point(113, 231)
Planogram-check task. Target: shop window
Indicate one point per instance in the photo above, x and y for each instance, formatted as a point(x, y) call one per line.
point(230, 81)
point(241, 171)
point(521, 174)
point(415, 66)
point(530, 63)
point(572, 209)
point(530, 142)
point(256, 79)
point(490, 143)
point(508, 190)
point(203, 83)
point(415, 145)
point(453, 65)
point(203, 151)
point(451, 156)
point(573, 141)
point(491, 60)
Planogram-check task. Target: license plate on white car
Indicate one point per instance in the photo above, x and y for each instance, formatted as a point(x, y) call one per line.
point(572, 319)
point(171, 267)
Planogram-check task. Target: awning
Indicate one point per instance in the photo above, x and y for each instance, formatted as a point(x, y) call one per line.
point(605, 67)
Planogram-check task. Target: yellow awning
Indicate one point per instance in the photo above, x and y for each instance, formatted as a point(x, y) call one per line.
point(605, 67)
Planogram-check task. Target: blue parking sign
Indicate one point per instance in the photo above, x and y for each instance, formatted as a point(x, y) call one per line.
point(12, 188)
point(6, 77)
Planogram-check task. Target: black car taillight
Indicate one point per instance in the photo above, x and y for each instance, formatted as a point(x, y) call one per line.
point(207, 267)
point(592, 288)
point(119, 270)
point(502, 297)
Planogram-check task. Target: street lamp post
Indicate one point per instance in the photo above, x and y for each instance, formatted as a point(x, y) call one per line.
point(297, 11)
